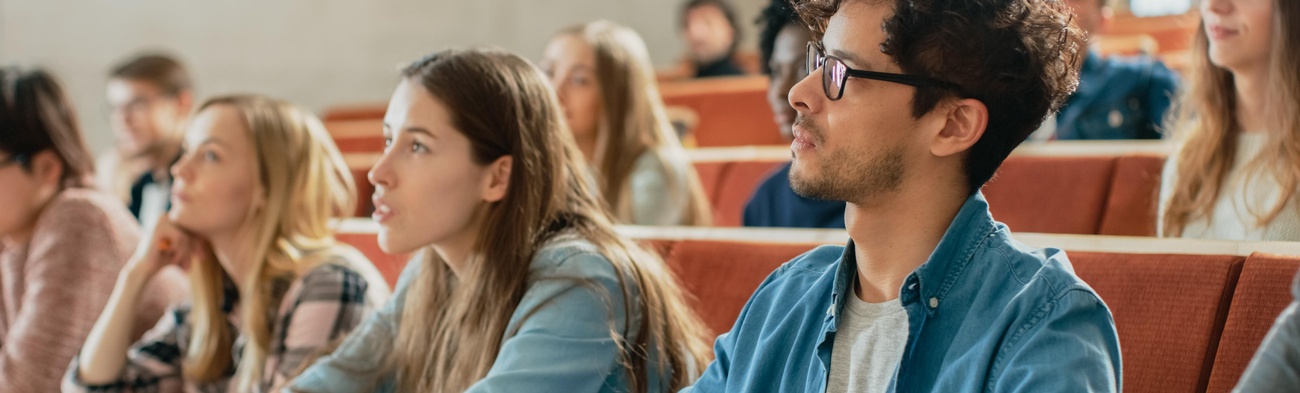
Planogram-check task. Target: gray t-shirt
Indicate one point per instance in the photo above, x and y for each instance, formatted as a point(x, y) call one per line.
point(869, 343)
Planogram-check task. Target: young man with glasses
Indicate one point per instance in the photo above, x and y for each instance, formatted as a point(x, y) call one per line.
point(910, 106)
point(150, 97)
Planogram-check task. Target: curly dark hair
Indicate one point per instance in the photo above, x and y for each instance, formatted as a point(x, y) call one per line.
point(1020, 58)
point(777, 15)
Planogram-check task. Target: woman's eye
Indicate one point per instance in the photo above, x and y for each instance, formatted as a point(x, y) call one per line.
point(417, 147)
point(210, 156)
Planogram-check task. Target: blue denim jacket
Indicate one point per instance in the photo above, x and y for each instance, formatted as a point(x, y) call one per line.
point(1118, 98)
point(562, 341)
point(985, 312)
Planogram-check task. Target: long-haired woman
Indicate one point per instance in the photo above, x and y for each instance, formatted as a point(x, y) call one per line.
point(521, 283)
point(1237, 173)
point(252, 201)
point(602, 73)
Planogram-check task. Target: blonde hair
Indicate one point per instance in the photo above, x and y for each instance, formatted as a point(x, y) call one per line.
point(452, 327)
point(634, 122)
point(1208, 122)
point(304, 183)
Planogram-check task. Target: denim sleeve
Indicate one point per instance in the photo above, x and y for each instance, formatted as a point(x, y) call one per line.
point(562, 332)
point(715, 375)
point(1276, 366)
point(1068, 345)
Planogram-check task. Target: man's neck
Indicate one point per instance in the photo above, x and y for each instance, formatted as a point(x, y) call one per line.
point(160, 158)
point(894, 235)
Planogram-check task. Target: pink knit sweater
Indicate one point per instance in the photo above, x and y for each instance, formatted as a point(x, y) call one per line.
point(52, 290)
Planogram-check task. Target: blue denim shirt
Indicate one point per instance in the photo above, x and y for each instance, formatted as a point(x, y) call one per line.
point(985, 313)
point(561, 342)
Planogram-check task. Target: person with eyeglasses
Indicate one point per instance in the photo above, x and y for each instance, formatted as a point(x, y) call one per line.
point(62, 241)
point(150, 97)
point(906, 113)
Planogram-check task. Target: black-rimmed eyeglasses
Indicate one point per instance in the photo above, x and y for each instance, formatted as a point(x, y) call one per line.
point(835, 74)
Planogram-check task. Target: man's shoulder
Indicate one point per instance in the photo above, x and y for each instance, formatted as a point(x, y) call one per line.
point(1047, 273)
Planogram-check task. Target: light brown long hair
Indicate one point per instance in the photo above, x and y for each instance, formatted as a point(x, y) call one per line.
point(452, 327)
point(1209, 123)
point(634, 122)
point(305, 183)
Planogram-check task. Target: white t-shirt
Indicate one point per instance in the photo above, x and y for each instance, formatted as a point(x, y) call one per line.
point(869, 343)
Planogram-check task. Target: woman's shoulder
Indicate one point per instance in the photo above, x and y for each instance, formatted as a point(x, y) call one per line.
point(572, 256)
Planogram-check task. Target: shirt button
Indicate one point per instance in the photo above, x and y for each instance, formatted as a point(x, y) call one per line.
point(934, 302)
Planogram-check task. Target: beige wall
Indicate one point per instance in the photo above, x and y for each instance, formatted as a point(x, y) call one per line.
point(314, 52)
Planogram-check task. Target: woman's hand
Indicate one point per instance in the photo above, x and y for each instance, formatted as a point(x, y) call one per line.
point(167, 244)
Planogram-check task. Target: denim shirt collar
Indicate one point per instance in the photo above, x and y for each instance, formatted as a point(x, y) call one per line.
point(930, 282)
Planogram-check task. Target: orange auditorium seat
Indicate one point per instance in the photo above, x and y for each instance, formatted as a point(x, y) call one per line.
point(733, 111)
point(1168, 310)
point(1133, 200)
point(1051, 194)
point(1262, 292)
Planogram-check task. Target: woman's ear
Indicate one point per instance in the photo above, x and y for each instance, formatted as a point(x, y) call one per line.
point(497, 180)
point(47, 169)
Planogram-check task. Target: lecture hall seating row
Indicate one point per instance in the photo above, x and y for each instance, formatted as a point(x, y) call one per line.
point(1106, 188)
point(1190, 314)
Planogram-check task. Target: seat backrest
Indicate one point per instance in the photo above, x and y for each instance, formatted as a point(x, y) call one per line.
point(721, 275)
point(1046, 194)
point(733, 111)
point(735, 187)
point(1134, 193)
point(1168, 310)
point(1262, 292)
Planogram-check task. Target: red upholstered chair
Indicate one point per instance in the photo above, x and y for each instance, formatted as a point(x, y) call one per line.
point(1262, 292)
point(357, 135)
point(1134, 193)
point(711, 174)
point(732, 111)
point(721, 275)
point(1046, 194)
point(1169, 312)
point(364, 191)
point(737, 185)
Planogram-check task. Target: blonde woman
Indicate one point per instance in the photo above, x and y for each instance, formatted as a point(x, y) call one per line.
point(522, 284)
point(1238, 171)
point(602, 73)
point(251, 204)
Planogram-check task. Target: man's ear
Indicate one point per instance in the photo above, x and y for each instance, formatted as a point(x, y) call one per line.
point(964, 124)
point(497, 181)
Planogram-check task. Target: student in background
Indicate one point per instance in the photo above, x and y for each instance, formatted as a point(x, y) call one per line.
point(1118, 97)
point(62, 241)
point(254, 194)
point(783, 45)
point(1237, 172)
point(712, 36)
point(603, 76)
point(520, 283)
point(150, 97)
point(906, 113)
